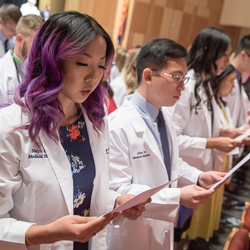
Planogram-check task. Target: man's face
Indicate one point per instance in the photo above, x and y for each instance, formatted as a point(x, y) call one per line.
point(8, 28)
point(165, 89)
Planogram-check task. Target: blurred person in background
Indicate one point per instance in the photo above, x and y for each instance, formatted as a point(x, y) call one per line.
point(29, 8)
point(237, 101)
point(120, 58)
point(126, 83)
point(46, 13)
point(11, 64)
point(109, 101)
point(9, 16)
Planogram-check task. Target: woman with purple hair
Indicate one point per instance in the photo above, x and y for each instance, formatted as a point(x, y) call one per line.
point(54, 144)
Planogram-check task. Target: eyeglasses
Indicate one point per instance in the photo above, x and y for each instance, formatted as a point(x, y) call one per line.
point(177, 79)
point(247, 53)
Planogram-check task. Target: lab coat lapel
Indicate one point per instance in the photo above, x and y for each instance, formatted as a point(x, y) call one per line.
point(206, 111)
point(141, 128)
point(99, 143)
point(216, 110)
point(61, 166)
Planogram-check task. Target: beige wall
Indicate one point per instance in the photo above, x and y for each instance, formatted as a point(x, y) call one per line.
point(56, 5)
point(43, 3)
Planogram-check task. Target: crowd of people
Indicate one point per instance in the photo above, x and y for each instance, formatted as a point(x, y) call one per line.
point(85, 127)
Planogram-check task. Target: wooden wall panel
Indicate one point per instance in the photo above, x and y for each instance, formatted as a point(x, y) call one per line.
point(179, 20)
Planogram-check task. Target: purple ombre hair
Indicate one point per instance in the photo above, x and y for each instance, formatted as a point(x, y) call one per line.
point(63, 36)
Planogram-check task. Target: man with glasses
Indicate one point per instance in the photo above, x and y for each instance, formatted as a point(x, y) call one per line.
point(9, 16)
point(237, 101)
point(144, 151)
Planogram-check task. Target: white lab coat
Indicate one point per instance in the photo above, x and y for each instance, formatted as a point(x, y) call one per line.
point(28, 9)
point(37, 186)
point(120, 90)
point(193, 129)
point(114, 73)
point(224, 125)
point(131, 138)
point(8, 78)
point(237, 104)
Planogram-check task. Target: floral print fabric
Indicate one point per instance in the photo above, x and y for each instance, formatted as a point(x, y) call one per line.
point(75, 142)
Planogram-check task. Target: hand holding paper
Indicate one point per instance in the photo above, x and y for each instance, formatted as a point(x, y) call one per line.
point(142, 197)
point(134, 212)
point(237, 166)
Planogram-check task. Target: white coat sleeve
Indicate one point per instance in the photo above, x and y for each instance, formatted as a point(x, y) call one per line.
point(12, 232)
point(164, 205)
point(192, 175)
point(180, 115)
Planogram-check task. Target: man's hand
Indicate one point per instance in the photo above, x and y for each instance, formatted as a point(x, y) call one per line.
point(192, 196)
point(134, 212)
point(209, 178)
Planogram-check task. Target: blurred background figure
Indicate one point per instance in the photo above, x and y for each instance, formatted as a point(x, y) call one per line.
point(238, 101)
point(46, 13)
point(109, 101)
point(9, 16)
point(29, 8)
point(126, 83)
point(120, 58)
point(11, 64)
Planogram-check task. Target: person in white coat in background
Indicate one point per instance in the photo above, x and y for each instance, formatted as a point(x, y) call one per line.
point(29, 8)
point(196, 117)
point(140, 159)
point(125, 83)
point(237, 99)
point(11, 64)
point(9, 16)
point(54, 143)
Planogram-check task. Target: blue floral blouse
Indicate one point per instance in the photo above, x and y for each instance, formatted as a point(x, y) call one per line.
point(75, 142)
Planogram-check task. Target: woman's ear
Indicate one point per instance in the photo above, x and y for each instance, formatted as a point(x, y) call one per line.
point(147, 75)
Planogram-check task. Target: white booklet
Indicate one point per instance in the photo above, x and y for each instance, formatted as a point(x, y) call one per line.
point(237, 166)
point(142, 197)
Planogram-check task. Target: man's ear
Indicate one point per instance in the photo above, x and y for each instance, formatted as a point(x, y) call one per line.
point(19, 38)
point(147, 75)
point(1, 21)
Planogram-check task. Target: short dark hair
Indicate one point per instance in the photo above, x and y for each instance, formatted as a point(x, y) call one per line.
point(244, 44)
point(10, 11)
point(154, 54)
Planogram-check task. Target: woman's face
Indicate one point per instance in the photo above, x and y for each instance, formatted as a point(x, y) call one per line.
point(223, 61)
point(226, 85)
point(82, 74)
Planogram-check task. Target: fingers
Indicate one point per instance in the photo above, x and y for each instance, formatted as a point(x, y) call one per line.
point(135, 212)
point(237, 143)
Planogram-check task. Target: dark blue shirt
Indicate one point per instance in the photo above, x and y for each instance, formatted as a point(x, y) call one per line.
point(75, 141)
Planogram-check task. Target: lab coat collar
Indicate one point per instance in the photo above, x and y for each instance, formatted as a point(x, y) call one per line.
point(146, 107)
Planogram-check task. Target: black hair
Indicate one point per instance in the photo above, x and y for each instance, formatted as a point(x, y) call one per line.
point(244, 44)
point(154, 54)
point(210, 45)
point(228, 70)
